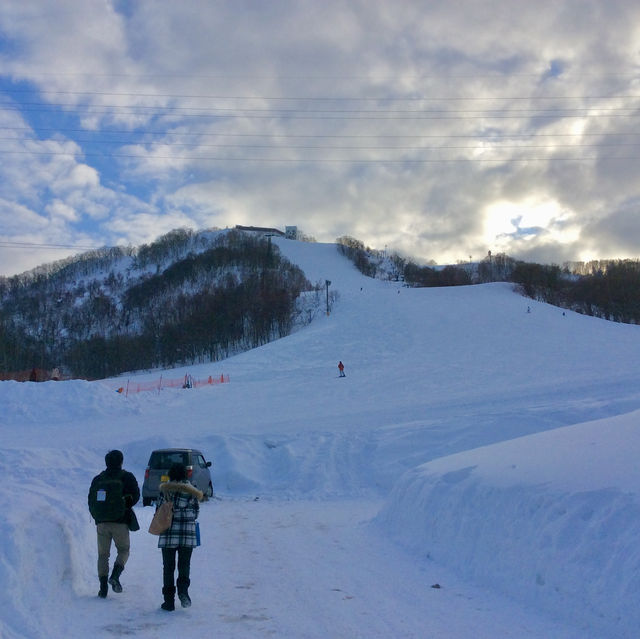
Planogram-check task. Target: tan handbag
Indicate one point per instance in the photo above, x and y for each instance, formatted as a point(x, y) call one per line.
point(161, 521)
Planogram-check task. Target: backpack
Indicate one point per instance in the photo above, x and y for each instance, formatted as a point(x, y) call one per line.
point(106, 499)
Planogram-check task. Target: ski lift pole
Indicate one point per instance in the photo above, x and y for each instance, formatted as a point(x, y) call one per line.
point(328, 284)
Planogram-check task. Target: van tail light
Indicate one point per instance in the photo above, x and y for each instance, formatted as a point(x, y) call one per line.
point(189, 472)
point(146, 474)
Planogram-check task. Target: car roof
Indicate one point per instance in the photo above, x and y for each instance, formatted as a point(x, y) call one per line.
point(176, 450)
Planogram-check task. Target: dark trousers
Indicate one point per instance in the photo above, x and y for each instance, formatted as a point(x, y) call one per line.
point(169, 566)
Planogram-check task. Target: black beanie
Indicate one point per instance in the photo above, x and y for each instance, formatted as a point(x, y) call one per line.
point(177, 472)
point(114, 459)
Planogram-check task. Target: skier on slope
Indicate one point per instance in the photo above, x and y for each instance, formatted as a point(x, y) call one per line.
point(341, 369)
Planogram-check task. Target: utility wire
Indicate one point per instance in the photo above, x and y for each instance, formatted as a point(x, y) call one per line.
point(35, 245)
point(415, 136)
point(297, 98)
point(318, 147)
point(632, 73)
point(322, 114)
point(322, 160)
point(191, 111)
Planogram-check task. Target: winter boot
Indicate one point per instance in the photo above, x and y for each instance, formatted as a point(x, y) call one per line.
point(183, 593)
point(114, 580)
point(169, 594)
point(104, 587)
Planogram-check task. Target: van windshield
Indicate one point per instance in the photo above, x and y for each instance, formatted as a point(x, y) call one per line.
point(164, 460)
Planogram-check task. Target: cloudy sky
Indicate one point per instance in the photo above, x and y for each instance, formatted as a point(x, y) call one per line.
point(439, 129)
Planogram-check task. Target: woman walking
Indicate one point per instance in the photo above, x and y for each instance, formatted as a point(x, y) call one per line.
point(180, 538)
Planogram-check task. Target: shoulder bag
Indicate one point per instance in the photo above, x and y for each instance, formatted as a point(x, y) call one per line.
point(162, 519)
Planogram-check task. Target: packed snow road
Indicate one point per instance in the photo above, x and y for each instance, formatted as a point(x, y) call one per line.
point(292, 570)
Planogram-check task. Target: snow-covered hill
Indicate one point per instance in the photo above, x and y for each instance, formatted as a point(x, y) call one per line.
point(188, 297)
point(472, 444)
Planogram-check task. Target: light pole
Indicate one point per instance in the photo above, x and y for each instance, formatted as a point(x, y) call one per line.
point(328, 284)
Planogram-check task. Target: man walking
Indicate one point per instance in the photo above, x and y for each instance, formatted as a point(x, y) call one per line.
point(112, 495)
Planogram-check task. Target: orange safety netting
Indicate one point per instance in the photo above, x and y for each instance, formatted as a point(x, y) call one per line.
point(187, 381)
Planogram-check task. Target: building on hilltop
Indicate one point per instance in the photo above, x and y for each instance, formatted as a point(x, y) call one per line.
point(260, 230)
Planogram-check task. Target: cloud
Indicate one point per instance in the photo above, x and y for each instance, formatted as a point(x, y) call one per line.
point(48, 197)
point(617, 233)
point(442, 130)
point(58, 210)
point(26, 238)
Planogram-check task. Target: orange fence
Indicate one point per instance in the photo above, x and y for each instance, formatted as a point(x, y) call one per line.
point(188, 381)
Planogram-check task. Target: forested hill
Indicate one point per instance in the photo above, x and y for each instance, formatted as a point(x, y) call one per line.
point(193, 297)
point(187, 297)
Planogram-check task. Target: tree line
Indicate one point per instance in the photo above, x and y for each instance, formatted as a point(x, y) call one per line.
point(609, 289)
point(157, 307)
point(612, 292)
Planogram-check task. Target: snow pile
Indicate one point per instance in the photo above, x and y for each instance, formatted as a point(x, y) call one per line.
point(46, 544)
point(552, 518)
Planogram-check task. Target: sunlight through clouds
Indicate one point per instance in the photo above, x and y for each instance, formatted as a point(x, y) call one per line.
point(527, 220)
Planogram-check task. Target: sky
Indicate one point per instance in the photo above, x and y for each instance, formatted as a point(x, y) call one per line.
point(440, 130)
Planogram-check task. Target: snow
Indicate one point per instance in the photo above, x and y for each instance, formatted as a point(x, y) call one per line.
point(564, 504)
point(472, 445)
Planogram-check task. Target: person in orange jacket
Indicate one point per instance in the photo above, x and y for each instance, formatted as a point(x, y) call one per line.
point(341, 369)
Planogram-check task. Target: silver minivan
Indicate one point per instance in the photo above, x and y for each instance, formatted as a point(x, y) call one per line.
point(158, 471)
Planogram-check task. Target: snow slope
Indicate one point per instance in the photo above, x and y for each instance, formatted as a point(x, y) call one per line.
point(472, 444)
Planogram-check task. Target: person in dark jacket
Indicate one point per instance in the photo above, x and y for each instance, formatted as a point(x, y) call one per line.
point(116, 530)
point(180, 538)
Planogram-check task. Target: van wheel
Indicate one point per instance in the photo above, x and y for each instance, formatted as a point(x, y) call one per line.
point(146, 501)
point(210, 490)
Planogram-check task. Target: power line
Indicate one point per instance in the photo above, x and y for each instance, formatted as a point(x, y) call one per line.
point(632, 73)
point(324, 160)
point(396, 116)
point(35, 245)
point(326, 114)
point(413, 136)
point(291, 98)
point(325, 147)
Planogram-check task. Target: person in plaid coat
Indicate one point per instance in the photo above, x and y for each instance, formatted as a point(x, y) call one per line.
point(180, 538)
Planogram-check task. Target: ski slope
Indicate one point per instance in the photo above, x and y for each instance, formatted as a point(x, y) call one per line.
point(472, 445)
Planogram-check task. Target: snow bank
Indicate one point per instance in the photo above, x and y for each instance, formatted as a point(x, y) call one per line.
point(47, 556)
point(552, 519)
